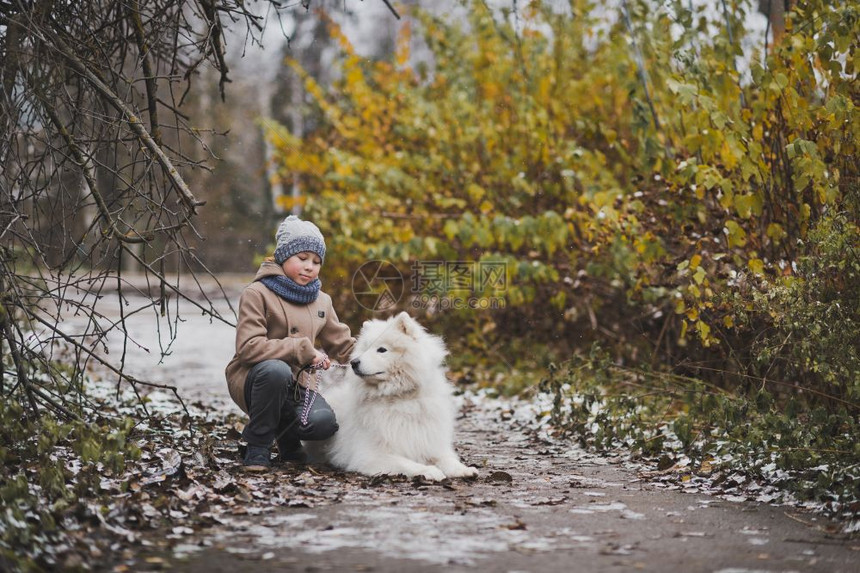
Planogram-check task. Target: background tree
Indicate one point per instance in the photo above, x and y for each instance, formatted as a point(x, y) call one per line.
point(97, 152)
point(640, 191)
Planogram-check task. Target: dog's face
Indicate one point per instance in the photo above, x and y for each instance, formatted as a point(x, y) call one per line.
point(392, 354)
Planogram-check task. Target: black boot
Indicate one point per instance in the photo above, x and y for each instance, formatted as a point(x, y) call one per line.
point(257, 459)
point(289, 445)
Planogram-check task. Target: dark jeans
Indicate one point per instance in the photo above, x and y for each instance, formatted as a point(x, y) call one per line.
point(275, 404)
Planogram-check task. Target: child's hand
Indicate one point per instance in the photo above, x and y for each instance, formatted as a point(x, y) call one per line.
point(321, 360)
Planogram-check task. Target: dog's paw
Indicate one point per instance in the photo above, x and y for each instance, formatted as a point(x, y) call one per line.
point(432, 473)
point(463, 472)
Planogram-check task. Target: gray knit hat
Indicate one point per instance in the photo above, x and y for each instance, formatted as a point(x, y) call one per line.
point(296, 236)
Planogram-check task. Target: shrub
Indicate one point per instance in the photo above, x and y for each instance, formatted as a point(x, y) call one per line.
point(647, 195)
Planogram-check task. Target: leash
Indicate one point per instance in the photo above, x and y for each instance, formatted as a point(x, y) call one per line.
point(312, 388)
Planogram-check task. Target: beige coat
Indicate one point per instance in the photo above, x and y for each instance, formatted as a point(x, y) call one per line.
point(272, 328)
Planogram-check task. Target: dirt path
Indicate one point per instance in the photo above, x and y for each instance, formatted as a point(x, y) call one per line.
point(537, 506)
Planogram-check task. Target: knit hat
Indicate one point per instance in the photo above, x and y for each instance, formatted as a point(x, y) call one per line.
point(296, 236)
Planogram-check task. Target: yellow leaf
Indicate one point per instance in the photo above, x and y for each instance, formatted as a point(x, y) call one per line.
point(287, 202)
point(704, 332)
point(695, 262)
point(403, 50)
point(756, 266)
point(475, 191)
point(728, 157)
point(776, 232)
point(736, 235)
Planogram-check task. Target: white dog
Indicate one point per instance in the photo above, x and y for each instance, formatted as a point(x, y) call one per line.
point(395, 409)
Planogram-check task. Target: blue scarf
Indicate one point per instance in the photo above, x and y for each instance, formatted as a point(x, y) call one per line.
point(291, 291)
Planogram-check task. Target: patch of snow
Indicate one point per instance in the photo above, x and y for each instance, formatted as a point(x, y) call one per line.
point(626, 513)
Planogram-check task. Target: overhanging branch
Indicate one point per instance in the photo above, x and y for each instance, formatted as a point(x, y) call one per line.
point(134, 122)
point(82, 162)
point(148, 72)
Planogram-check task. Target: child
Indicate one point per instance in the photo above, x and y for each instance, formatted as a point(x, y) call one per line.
point(281, 315)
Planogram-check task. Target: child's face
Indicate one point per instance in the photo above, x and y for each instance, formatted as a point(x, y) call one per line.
point(303, 267)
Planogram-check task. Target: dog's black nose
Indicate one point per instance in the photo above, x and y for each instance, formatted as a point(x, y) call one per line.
point(354, 363)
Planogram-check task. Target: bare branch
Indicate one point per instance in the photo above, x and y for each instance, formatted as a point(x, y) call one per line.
point(390, 7)
point(134, 122)
point(148, 73)
point(91, 183)
point(216, 34)
point(23, 379)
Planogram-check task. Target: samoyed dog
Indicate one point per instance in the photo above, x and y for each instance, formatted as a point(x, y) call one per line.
point(395, 408)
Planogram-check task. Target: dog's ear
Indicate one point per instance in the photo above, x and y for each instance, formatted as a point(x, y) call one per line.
point(405, 324)
point(367, 325)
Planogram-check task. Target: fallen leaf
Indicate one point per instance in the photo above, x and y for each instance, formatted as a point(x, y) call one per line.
point(549, 501)
point(500, 477)
point(515, 526)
